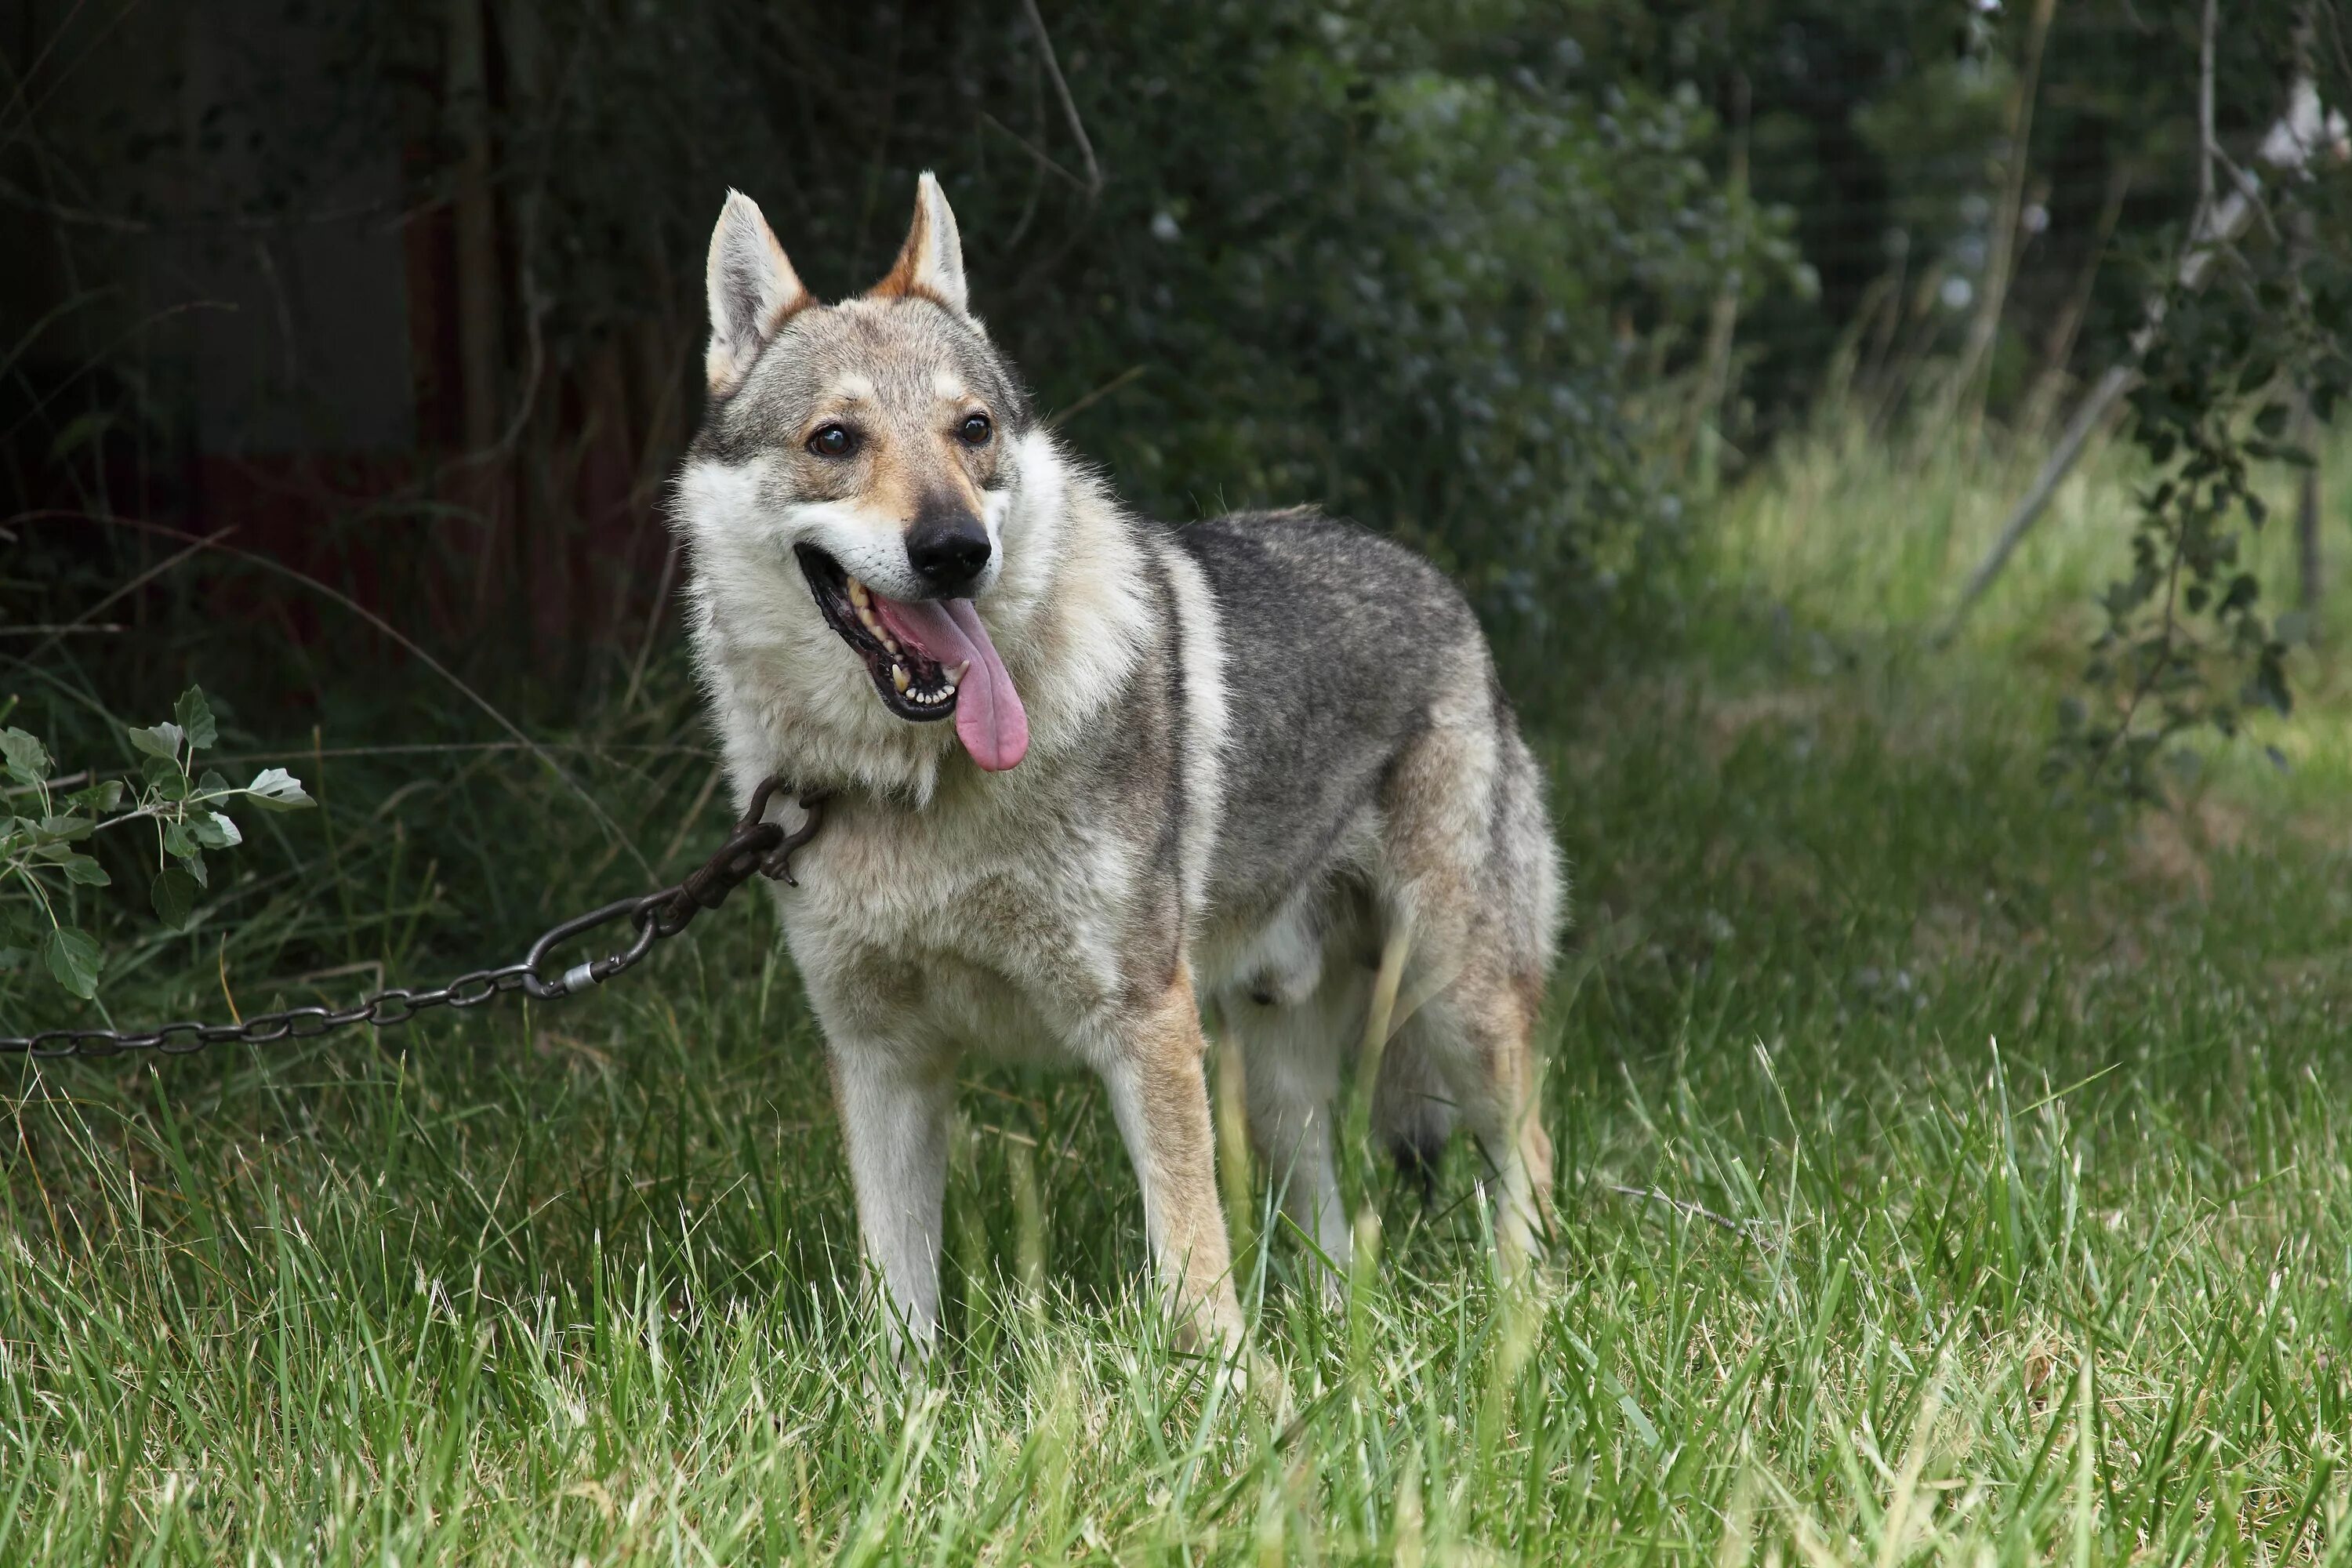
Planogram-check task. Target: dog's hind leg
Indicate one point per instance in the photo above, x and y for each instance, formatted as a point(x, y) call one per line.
point(1160, 1098)
point(1291, 1059)
point(1413, 1109)
point(1478, 1038)
point(895, 1117)
point(1469, 860)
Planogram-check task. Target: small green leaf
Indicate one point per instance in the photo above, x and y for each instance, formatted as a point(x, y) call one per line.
point(195, 717)
point(74, 958)
point(277, 790)
point(98, 799)
point(163, 777)
point(27, 760)
point(159, 741)
point(81, 869)
point(179, 843)
point(175, 896)
point(66, 829)
point(214, 831)
point(211, 783)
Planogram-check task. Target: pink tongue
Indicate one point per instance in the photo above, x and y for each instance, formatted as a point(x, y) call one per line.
point(989, 718)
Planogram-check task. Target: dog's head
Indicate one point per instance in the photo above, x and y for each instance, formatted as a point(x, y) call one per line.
point(864, 454)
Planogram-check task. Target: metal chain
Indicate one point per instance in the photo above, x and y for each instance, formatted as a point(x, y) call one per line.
point(756, 847)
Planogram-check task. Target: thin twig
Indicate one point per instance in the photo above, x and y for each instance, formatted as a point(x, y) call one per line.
point(2205, 143)
point(1038, 173)
point(1061, 416)
point(81, 622)
point(692, 815)
point(1971, 376)
point(662, 586)
point(66, 781)
point(1044, 159)
point(2151, 670)
point(2059, 351)
point(1069, 105)
point(535, 306)
point(24, 78)
point(2251, 188)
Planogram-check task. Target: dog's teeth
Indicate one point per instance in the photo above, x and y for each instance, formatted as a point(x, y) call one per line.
point(887, 640)
point(857, 593)
point(955, 675)
point(866, 617)
point(898, 678)
point(948, 690)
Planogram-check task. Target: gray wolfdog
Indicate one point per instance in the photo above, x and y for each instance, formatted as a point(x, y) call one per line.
point(1091, 774)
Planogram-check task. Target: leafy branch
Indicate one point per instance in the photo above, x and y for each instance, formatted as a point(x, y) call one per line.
point(2186, 646)
point(42, 857)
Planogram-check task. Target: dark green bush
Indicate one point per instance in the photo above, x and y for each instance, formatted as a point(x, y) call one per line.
point(1397, 258)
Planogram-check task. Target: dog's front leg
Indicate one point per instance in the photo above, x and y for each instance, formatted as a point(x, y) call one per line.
point(894, 1122)
point(1161, 1102)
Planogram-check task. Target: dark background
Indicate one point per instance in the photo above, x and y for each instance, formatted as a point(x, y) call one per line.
point(407, 298)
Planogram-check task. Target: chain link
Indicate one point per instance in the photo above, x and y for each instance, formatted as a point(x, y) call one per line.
point(756, 847)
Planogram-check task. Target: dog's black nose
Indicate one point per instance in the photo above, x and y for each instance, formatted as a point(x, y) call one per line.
point(948, 553)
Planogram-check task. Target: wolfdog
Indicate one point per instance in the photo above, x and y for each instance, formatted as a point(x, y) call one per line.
point(1090, 776)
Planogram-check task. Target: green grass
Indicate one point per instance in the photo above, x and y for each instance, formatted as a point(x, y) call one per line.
point(2038, 1138)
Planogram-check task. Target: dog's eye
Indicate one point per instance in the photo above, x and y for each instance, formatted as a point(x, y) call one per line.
point(975, 430)
point(834, 441)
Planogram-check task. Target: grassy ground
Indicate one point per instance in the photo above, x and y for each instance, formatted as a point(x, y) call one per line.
point(2035, 1142)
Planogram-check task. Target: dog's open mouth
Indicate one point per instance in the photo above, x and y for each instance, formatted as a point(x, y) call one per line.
point(929, 658)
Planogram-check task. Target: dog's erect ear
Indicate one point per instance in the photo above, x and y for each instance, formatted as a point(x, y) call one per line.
point(931, 264)
point(753, 292)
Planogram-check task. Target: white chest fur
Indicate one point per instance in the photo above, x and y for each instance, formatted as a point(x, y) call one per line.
point(987, 920)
